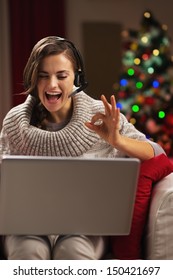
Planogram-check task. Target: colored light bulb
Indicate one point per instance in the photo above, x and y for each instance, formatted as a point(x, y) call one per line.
point(161, 114)
point(130, 72)
point(139, 85)
point(123, 82)
point(155, 84)
point(135, 108)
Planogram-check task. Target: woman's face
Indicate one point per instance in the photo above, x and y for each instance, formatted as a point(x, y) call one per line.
point(55, 84)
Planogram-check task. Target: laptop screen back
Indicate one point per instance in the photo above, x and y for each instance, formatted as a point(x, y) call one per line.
point(50, 195)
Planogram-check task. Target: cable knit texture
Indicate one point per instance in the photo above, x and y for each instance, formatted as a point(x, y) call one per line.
point(75, 139)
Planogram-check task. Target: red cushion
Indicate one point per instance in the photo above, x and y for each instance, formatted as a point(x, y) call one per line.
point(151, 171)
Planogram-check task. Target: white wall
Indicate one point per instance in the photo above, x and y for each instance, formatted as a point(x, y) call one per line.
point(126, 12)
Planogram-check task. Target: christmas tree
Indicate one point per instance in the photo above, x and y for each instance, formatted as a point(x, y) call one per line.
point(144, 92)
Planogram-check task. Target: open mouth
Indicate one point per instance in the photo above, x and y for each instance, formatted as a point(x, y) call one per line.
point(53, 96)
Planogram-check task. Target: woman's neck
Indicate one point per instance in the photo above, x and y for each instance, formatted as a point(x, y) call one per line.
point(61, 116)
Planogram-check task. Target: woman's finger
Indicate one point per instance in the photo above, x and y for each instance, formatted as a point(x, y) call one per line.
point(97, 118)
point(106, 105)
point(113, 103)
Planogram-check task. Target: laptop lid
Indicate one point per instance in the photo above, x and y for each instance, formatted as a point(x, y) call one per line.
point(50, 195)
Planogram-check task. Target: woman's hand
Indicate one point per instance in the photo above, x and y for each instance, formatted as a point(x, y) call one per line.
point(107, 125)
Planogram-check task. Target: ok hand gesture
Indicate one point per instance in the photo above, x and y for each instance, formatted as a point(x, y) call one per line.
point(107, 125)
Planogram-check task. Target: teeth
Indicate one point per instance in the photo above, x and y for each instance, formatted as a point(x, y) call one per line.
point(52, 93)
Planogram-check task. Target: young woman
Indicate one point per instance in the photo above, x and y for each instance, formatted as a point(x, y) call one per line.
point(59, 119)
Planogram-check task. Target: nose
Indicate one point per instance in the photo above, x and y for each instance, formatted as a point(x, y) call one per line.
point(53, 81)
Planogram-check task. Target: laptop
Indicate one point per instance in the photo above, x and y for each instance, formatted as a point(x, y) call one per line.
point(52, 195)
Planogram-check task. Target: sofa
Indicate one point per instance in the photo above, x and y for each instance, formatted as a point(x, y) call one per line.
point(159, 229)
point(156, 237)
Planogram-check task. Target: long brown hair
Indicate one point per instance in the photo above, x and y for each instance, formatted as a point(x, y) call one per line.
point(51, 45)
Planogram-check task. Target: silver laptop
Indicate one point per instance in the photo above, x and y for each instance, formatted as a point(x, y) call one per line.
point(51, 195)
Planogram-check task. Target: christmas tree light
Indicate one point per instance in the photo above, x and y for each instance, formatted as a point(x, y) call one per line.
point(144, 92)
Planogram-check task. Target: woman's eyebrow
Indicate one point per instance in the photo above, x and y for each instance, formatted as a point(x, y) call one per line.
point(58, 72)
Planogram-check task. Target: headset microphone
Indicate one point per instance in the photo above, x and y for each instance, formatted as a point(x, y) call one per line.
point(82, 87)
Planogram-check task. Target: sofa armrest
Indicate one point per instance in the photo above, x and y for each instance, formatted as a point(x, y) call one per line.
point(159, 231)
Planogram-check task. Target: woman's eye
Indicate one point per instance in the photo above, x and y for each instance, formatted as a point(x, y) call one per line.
point(62, 77)
point(43, 76)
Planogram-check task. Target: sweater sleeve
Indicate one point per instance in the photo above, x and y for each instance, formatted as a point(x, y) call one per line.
point(127, 129)
point(157, 148)
point(4, 143)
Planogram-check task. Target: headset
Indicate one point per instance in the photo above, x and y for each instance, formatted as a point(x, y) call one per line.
point(79, 81)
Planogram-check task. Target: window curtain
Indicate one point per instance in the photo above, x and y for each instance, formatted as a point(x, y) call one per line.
point(31, 20)
point(5, 74)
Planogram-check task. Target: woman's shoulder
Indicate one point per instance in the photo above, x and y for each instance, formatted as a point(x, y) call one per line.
point(27, 103)
point(20, 109)
point(94, 104)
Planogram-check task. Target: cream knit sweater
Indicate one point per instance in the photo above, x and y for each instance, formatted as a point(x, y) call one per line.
point(75, 139)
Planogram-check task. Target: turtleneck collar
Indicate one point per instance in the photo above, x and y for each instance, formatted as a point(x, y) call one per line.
point(73, 140)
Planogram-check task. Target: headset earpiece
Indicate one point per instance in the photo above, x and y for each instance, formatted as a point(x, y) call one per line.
point(79, 79)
